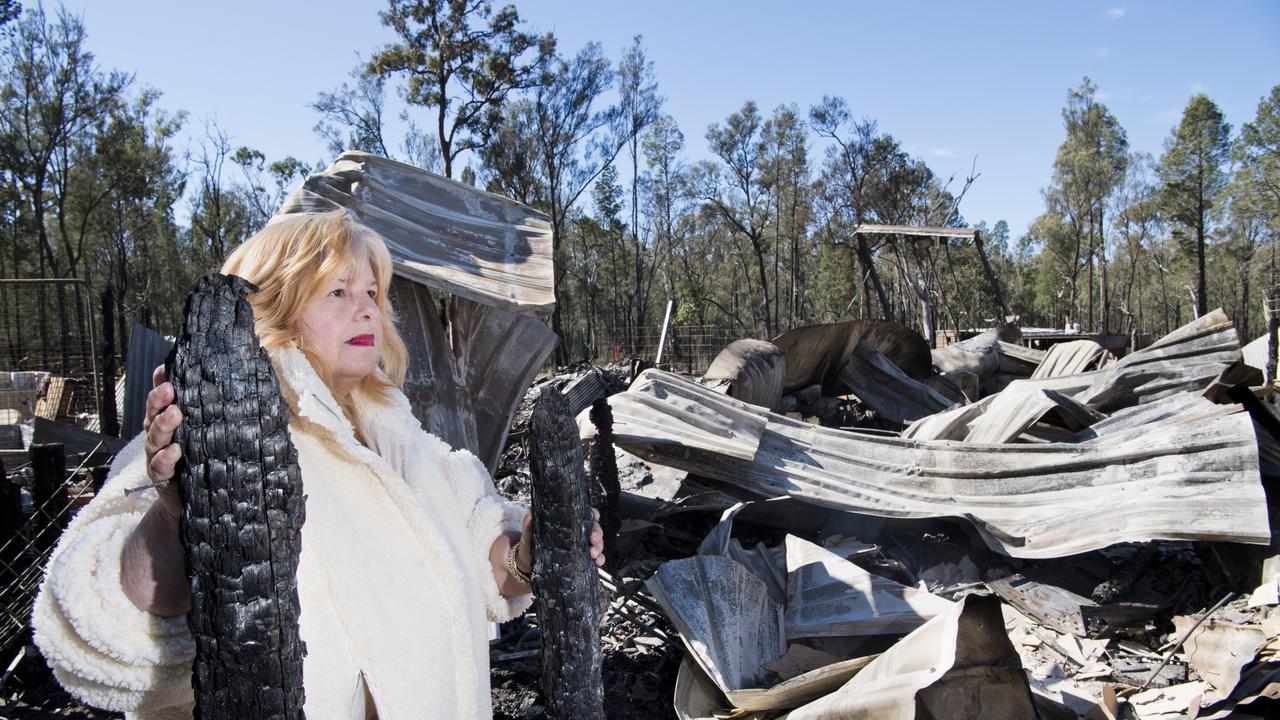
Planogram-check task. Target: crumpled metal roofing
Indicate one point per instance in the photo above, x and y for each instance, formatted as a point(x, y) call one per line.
point(445, 234)
point(1194, 477)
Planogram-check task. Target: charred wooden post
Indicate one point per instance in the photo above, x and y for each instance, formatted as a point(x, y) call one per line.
point(242, 510)
point(10, 541)
point(48, 495)
point(99, 475)
point(604, 478)
point(564, 577)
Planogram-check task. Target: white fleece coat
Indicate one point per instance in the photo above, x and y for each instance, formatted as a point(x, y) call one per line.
point(394, 577)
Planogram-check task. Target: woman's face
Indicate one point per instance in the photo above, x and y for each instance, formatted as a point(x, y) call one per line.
point(343, 327)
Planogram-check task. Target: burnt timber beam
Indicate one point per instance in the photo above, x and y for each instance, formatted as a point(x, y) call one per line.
point(564, 576)
point(242, 511)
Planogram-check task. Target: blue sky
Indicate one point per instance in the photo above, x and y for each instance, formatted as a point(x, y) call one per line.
point(950, 80)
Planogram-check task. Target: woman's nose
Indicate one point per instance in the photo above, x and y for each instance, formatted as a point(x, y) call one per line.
point(368, 307)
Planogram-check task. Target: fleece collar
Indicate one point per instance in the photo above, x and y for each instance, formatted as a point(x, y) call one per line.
point(312, 399)
point(384, 420)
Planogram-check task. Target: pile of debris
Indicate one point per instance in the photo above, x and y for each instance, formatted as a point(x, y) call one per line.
point(981, 530)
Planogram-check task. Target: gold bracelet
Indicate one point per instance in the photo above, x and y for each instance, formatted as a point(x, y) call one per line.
point(513, 568)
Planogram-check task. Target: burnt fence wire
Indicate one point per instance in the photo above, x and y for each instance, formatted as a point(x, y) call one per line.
point(38, 497)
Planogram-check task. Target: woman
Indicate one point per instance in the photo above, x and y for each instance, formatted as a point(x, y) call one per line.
point(407, 551)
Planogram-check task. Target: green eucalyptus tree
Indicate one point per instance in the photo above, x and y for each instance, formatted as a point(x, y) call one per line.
point(1089, 166)
point(1257, 156)
point(786, 178)
point(553, 143)
point(733, 189)
point(52, 96)
point(463, 59)
point(1194, 174)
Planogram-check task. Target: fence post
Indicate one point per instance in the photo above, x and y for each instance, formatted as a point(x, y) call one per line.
point(99, 475)
point(10, 521)
point(48, 495)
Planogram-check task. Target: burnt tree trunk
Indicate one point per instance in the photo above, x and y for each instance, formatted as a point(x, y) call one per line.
point(242, 510)
point(604, 477)
point(564, 577)
point(48, 495)
point(110, 420)
point(992, 280)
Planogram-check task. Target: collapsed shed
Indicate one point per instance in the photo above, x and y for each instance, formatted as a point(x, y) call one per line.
point(1099, 461)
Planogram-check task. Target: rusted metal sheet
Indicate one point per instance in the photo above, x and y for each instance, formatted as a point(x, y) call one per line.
point(1189, 358)
point(1018, 360)
point(444, 234)
point(735, 631)
point(1196, 478)
point(751, 371)
point(1052, 606)
point(768, 564)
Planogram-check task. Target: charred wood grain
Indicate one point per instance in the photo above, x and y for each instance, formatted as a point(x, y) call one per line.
point(48, 495)
point(242, 511)
point(604, 477)
point(564, 577)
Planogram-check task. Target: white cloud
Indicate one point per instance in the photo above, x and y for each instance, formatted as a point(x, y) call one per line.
point(942, 152)
point(1102, 52)
point(1115, 13)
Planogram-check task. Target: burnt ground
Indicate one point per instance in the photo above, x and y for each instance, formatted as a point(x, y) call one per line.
point(31, 693)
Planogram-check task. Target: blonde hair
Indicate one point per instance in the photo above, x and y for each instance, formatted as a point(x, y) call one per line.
point(292, 260)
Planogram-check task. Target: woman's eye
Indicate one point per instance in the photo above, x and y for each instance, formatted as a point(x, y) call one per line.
point(373, 294)
point(338, 293)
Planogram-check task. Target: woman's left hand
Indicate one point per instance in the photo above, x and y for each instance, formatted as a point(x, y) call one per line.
point(597, 539)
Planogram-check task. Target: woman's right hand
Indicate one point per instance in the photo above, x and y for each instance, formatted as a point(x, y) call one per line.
point(162, 418)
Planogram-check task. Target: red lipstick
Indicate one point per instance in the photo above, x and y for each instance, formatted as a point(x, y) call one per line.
point(362, 340)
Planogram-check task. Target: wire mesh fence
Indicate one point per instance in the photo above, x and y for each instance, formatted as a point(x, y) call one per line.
point(48, 365)
point(687, 348)
point(38, 497)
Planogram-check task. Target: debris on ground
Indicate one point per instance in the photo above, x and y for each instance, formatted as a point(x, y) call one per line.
point(1066, 534)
